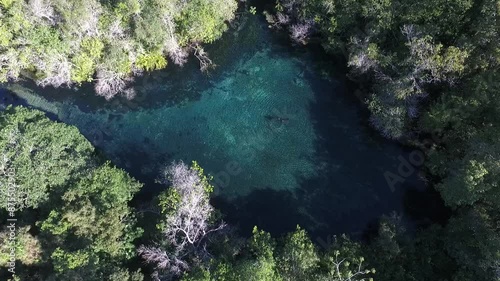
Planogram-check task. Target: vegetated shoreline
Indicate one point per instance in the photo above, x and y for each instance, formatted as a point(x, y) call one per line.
point(456, 249)
point(357, 87)
point(364, 235)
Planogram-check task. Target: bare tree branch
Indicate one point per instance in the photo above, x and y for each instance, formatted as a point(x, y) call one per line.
point(205, 62)
point(186, 225)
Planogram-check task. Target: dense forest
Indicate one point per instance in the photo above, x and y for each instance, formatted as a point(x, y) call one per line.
point(427, 73)
point(60, 43)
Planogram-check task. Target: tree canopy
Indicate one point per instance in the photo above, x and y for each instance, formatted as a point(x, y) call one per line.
point(76, 222)
point(68, 42)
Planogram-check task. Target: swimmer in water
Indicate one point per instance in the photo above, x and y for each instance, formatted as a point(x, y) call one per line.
point(277, 118)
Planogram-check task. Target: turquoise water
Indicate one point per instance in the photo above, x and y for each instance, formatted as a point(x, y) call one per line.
point(275, 125)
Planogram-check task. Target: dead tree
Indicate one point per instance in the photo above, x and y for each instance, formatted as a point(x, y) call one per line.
point(202, 56)
point(300, 32)
point(110, 83)
point(186, 224)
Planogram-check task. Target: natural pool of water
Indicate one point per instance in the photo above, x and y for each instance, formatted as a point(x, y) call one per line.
point(287, 144)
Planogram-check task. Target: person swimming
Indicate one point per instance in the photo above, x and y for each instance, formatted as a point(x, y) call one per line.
point(277, 118)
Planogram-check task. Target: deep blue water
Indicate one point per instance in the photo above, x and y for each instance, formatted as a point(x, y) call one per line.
point(321, 167)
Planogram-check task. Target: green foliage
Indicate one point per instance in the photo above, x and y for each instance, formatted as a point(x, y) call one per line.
point(6, 3)
point(261, 244)
point(93, 47)
point(124, 275)
point(95, 209)
point(387, 116)
point(64, 261)
point(61, 42)
point(126, 8)
point(168, 201)
point(381, 12)
point(298, 258)
point(473, 241)
point(84, 227)
point(27, 247)
point(16, 19)
point(204, 179)
point(45, 156)
point(434, 58)
point(398, 255)
point(5, 35)
point(204, 21)
point(401, 50)
point(117, 59)
point(344, 260)
point(85, 62)
point(467, 160)
point(43, 40)
point(150, 29)
point(469, 157)
point(295, 257)
point(83, 68)
point(260, 269)
point(151, 61)
point(260, 266)
point(221, 272)
point(440, 17)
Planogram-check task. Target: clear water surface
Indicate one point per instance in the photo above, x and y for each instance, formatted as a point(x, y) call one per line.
point(287, 144)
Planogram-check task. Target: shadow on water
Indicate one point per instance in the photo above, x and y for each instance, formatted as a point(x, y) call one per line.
point(425, 207)
point(271, 210)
